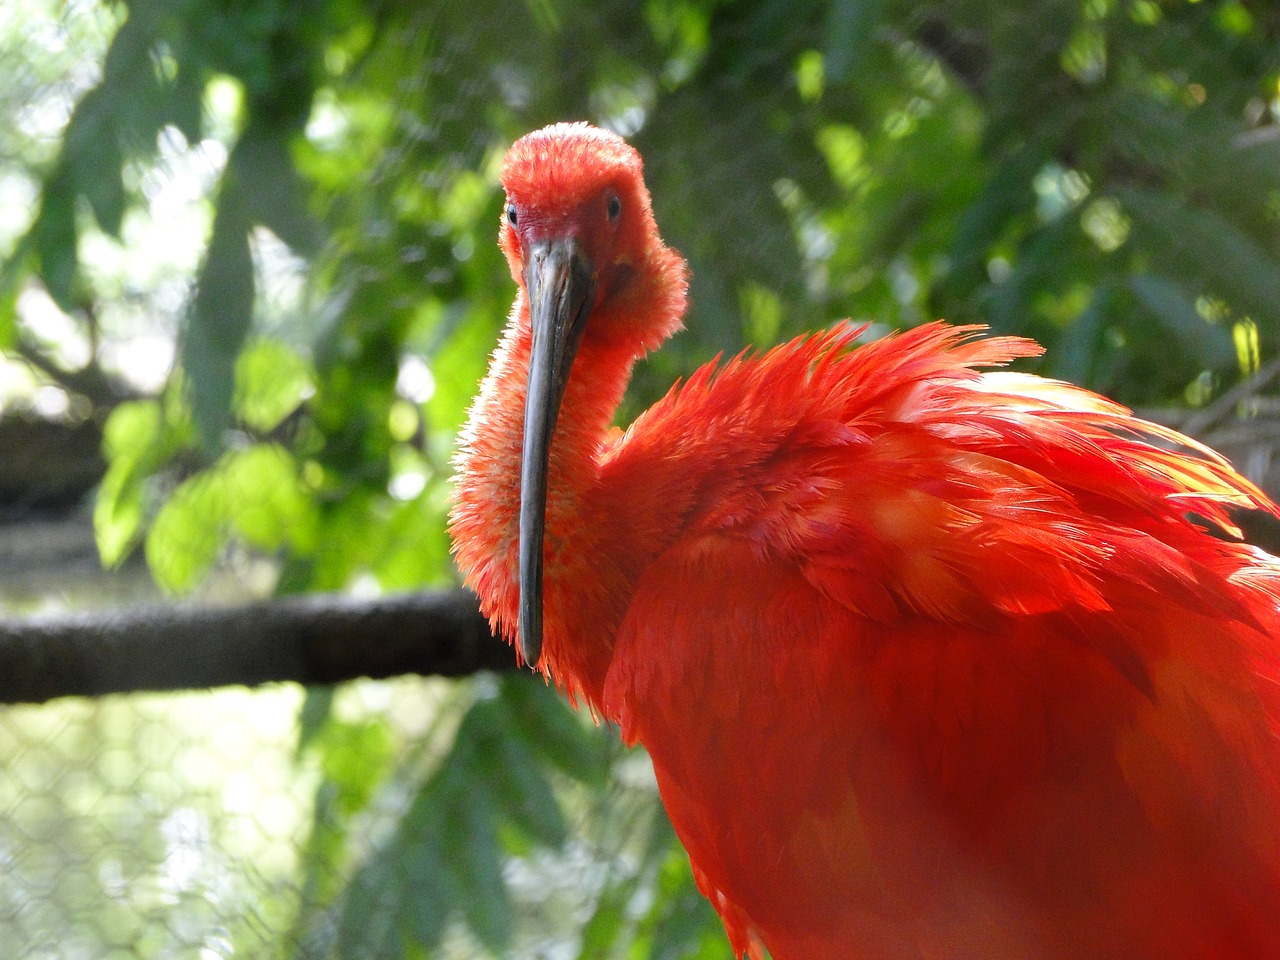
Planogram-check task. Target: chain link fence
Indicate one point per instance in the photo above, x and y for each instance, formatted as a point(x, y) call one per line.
point(150, 826)
point(174, 825)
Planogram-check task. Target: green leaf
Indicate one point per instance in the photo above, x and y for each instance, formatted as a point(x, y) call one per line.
point(131, 429)
point(850, 27)
point(432, 901)
point(185, 106)
point(412, 546)
point(13, 272)
point(118, 509)
point(254, 493)
point(1073, 355)
point(273, 190)
point(458, 365)
point(104, 187)
point(1176, 311)
point(93, 154)
point(356, 758)
point(118, 514)
point(523, 791)
point(474, 858)
point(606, 925)
point(347, 539)
point(187, 533)
point(1203, 243)
point(220, 316)
point(1007, 194)
point(554, 732)
point(272, 380)
point(56, 238)
point(138, 439)
point(1038, 259)
point(266, 502)
point(368, 924)
point(317, 707)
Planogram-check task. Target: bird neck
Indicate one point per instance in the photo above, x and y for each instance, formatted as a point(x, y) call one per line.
point(578, 629)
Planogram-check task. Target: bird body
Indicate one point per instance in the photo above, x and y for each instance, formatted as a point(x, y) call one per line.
point(933, 660)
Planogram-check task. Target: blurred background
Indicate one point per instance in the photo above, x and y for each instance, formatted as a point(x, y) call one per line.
point(248, 284)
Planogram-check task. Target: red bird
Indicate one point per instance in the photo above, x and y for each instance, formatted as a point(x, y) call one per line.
point(932, 661)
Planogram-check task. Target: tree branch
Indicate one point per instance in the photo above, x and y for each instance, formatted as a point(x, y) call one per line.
point(102, 391)
point(318, 639)
point(47, 464)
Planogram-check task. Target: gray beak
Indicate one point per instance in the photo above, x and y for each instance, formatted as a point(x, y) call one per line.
point(558, 279)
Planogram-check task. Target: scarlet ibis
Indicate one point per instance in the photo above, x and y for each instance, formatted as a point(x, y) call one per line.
point(933, 660)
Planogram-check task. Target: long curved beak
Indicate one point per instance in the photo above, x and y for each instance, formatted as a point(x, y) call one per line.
point(560, 285)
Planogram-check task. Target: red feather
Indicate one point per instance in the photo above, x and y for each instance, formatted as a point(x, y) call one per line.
point(933, 661)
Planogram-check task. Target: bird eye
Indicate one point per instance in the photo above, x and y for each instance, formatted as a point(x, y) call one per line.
point(512, 216)
point(614, 207)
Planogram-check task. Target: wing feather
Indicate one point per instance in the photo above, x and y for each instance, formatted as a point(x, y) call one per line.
point(941, 661)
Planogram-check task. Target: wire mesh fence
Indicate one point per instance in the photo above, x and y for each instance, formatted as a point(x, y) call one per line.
point(177, 825)
point(149, 826)
point(210, 825)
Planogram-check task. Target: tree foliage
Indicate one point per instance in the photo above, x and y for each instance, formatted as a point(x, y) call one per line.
point(1101, 174)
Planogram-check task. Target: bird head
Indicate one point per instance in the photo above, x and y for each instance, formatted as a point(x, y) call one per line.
point(579, 235)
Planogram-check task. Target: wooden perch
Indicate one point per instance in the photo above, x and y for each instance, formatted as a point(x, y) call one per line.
point(316, 639)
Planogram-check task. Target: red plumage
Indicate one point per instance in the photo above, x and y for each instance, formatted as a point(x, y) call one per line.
point(933, 661)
